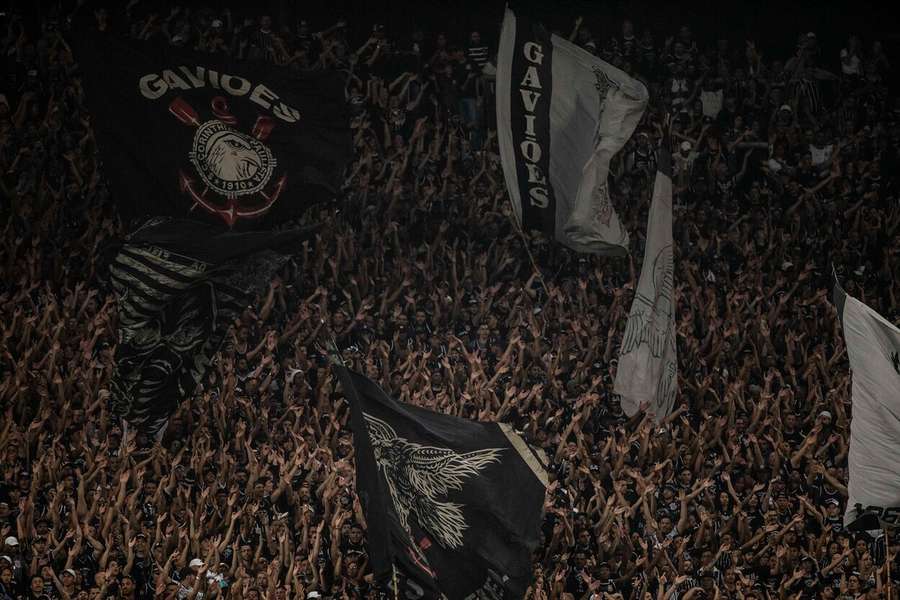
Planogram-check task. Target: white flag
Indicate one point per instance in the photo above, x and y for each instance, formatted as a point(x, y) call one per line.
point(561, 116)
point(873, 346)
point(648, 364)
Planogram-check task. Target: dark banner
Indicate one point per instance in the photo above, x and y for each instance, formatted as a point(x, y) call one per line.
point(188, 134)
point(180, 285)
point(454, 505)
point(531, 91)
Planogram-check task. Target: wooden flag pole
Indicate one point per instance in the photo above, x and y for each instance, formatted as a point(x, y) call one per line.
point(887, 563)
point(334, 352)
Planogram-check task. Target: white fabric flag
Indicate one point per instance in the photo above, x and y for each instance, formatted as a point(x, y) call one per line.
point(648, 364)
point(873, 347)
point(562, 114)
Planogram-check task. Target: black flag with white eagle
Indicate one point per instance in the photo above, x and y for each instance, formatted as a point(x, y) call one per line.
point(245, 144)
point(453, 507)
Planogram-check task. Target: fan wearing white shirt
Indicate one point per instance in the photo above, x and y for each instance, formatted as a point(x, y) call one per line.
point(820, 149)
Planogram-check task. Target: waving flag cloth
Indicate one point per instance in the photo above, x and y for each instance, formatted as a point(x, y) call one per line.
point(454, 505)
point(648, 364)
point(180, 285)
point(206, 147)
point(561, 116)
point(873, 347)
point(189, 134)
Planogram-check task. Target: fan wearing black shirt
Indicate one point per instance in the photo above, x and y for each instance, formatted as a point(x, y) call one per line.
point(585, 543)
point(833, 515)
point(604, 581)
point(355, 544)
point(576, 582)
point(791, 433)
point(826, 484)
point(807, 584)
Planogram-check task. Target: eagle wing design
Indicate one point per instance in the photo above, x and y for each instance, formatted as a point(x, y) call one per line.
point(379, 431)
point(421, 477)
point(650, 319)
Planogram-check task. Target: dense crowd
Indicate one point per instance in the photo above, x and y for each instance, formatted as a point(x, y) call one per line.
point(784, 165)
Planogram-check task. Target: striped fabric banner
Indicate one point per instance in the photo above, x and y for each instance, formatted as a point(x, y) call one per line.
point(180, 285)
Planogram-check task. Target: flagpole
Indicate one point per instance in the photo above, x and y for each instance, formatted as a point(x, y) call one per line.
point(534, 266)
point(337, 360)
point(396, 585)
point(887, 562)
point(331, 345)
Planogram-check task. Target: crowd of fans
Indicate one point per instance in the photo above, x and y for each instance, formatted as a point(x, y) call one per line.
point(784, 165)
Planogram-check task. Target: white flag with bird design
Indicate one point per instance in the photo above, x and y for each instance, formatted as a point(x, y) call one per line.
point(648, 365)
point(873, 347)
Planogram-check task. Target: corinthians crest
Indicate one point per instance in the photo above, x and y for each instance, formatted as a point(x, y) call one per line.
point(230, 162)
point(420, 478)
point(235, 169)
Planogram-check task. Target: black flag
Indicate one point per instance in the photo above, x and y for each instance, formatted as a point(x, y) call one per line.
point(454, 505)
point(180, 284)
point(189, 134)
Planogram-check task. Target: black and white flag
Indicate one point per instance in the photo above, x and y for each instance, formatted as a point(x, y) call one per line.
point(453, 504)
point(245, 144)
point(873, 347)
point(562, 114)
point(648, 362)
point(180, 285)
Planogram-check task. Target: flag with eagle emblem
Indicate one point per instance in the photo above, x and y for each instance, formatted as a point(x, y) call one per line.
point(873, 347)
point(453, 505)
point(244, 144)
point(648, 361)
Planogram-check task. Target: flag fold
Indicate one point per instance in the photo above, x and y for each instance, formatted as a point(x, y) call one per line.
point(562, 114)
point(455, 505)
point(180, 285)
point(648, 365)
point(873, 347)
point(243, 144)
